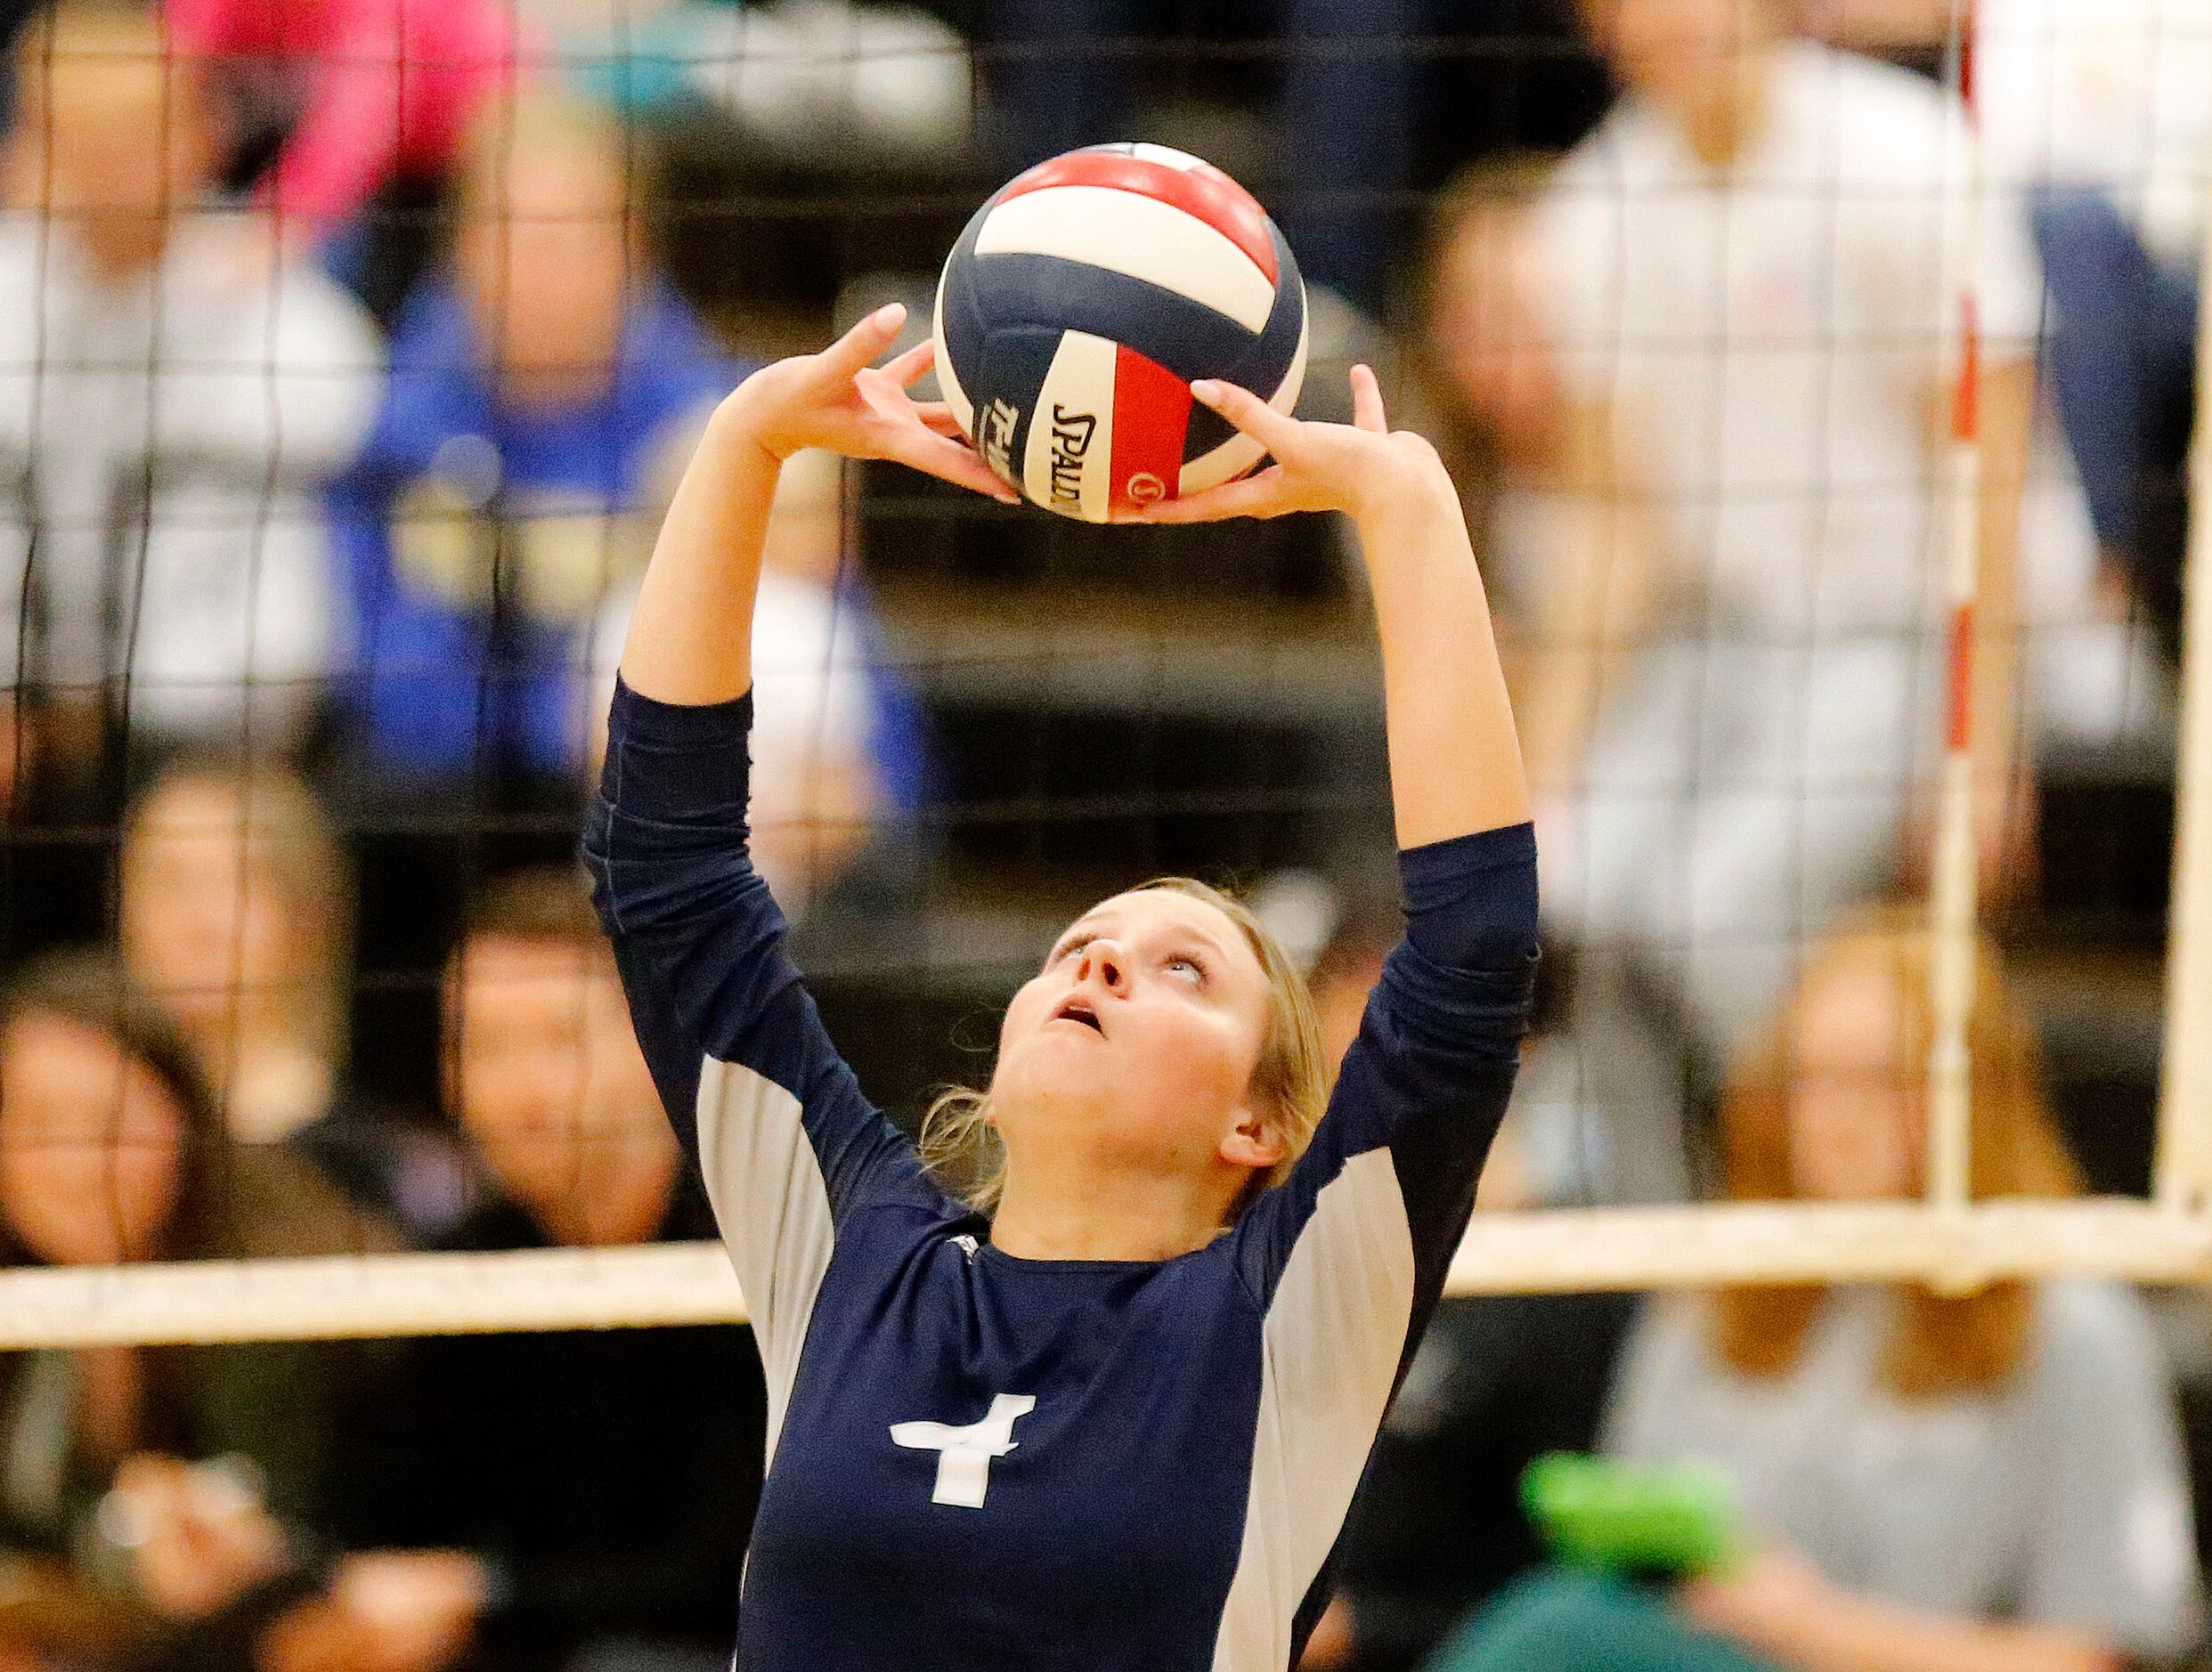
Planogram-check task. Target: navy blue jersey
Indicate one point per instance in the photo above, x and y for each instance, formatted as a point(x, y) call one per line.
point(977, 1461)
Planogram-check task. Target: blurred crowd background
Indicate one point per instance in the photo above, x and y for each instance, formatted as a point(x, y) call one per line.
point(348, 350)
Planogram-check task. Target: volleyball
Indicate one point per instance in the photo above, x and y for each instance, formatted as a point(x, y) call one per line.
point(1079, 304)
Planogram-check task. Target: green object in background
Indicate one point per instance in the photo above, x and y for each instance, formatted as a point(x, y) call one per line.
point(1679, 1519)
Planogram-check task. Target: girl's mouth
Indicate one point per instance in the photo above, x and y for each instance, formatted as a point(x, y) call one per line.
point(1080, 1010)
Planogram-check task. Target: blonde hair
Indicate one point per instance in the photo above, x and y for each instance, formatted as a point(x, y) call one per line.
point(1945, 1345)
point(1290, 1079)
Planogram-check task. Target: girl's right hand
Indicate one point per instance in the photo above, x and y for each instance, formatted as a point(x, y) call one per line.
point(840, 401)
point(1357, 468)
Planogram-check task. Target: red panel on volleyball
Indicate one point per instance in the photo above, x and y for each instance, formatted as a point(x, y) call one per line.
point(1151, 416)
point(1203, 192)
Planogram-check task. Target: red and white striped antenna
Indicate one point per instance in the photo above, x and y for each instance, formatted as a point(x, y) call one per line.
point(1955, 882)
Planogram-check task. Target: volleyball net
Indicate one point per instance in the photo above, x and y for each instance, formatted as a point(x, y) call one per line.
point(1836, 542)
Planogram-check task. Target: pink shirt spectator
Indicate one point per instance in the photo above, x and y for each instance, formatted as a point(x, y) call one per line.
point(389, 85)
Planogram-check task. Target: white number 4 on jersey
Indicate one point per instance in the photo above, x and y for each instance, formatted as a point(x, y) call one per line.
point(963, 1459)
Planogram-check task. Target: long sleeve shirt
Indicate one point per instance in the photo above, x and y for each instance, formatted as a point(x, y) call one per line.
point(980, 1460)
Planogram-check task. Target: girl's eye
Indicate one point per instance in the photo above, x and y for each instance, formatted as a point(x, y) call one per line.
point(1071, 948)
point(1189, 967)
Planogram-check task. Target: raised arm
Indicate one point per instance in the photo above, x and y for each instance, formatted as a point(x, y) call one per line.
point(699, 940)
point(785, 1139)
point(691, 639)
point(1425, 1084)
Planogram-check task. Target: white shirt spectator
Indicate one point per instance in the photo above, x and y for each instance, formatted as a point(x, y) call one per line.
point(2113, 94)
point(1770, 338)
point(164, 438)
point(1773, 341)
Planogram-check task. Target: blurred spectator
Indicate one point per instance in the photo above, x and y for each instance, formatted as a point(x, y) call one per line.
point(235, 914)
point(361, 90)
point(546, 1074)
point(1737, 534)
point(835, 757)
point(542, 392)
point(1505, 400)
point(2095, 115)
point(862, 88)
point(573, 1499)
point(1597, 1114)
point(2100, 113)
point(173, 389)
point(1935, 1480)
point(110, 1151)
point(546, 384)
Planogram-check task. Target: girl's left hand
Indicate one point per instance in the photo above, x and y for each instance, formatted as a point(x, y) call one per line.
point(1355, 467)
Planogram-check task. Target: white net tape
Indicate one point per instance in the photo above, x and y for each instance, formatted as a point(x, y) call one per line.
point(691, 1282)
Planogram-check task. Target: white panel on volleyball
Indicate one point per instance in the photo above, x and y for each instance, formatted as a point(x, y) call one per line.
point(1141, 237)
point(1067, 464)
point(948, 380)
point(1240, 453)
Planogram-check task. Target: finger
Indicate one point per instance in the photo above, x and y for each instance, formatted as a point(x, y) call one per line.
point(948, 461)
point(912, 366)
point(1367, 402)
point(1250, 414)
point(1252, 496)
point(859, 346)
point(895, 406)
point(884, 387)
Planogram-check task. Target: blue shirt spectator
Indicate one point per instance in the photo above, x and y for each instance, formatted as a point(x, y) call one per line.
point(478, 537)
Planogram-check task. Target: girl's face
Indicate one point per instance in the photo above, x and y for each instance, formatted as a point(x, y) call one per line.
point(1136, 1044)
point(114, 136)
point(91, 1144)
point(203, 923)
point(1856, 1122)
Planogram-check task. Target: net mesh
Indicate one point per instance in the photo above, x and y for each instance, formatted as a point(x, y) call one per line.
point(1813, 438)
point(345, 378)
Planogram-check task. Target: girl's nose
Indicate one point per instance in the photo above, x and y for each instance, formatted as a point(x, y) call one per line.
point(1106, 961)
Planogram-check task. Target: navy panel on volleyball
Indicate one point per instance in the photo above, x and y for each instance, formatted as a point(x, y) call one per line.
point(1082, 301)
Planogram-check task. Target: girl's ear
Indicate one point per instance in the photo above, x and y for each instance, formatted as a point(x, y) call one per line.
point(1256, 1141)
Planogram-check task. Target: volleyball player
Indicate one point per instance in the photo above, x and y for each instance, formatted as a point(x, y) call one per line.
point(1116, 1421)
